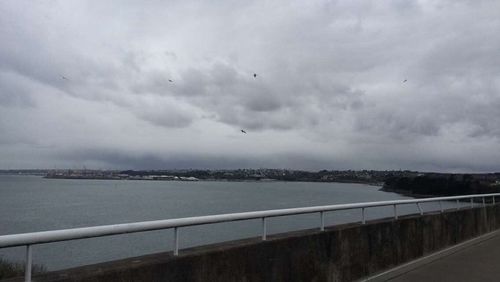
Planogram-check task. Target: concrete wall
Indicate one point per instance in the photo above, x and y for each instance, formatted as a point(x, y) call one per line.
point(341, 253)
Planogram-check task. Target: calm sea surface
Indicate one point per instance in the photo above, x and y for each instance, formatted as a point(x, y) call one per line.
point(31, 203)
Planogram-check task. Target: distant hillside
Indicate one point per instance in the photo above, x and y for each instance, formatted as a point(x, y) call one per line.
point(444, 184)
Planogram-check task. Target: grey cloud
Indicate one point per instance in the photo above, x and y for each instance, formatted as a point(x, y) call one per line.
point(156, 82)
point(14, 91)
point(264, 102)
point(165, 115)
point(329, 79)
point(399, 125)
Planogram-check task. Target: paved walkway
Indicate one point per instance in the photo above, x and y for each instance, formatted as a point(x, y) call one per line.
point(474, 260)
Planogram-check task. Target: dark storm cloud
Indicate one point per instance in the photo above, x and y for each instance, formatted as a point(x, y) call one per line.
point(171, 83)
point(237, 98)
point(123, 160)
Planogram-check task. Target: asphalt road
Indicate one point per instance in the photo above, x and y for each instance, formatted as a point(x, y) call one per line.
point(478, 260)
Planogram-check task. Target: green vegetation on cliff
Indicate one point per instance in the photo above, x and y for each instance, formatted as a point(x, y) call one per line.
point(442, 184)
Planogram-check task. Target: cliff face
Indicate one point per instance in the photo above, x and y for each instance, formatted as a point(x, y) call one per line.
point(443, 185)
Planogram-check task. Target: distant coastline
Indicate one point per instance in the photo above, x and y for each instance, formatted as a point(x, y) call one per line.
point(369, 177)
point(375, 178)
point(408, 183)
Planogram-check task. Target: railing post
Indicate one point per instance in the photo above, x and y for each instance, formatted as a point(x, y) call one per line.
point(322, 215)
point(363, 220)
point(395, 212)
point(458, 204)
point(493, 200)
point(471, 203)
point(420, 209)
point(484, 203)
point(29, 259)
point(176, 241)
point(264, 231)
point(441, 206)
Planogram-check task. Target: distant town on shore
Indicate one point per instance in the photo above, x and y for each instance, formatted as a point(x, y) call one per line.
point(401, 181)
point(357, 176)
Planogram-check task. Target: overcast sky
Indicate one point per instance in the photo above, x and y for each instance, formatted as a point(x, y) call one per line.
point(86, 83)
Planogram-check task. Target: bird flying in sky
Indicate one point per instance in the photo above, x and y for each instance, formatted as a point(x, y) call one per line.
point(243, 131)
point(170, 80)
point(405, 80)
point(254, 75)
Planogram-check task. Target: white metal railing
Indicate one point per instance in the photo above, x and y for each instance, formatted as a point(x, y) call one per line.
point(30, 239)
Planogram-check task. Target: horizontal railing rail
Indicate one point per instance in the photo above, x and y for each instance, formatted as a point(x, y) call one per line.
point(34, 238)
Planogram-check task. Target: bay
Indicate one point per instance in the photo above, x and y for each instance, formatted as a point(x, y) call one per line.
point(32, 203)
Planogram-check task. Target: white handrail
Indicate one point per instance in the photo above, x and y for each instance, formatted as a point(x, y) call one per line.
point(29, 239)
point(115, 229)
